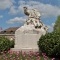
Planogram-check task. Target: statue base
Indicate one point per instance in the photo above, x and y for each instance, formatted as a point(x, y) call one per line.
point(25, 49)
point(26, 38)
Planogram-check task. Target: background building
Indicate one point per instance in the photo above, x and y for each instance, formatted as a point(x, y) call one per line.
point(9, 32)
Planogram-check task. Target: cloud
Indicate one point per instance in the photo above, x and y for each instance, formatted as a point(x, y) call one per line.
point(45, 9)
point(4, 4)
point(13, 10)
point(53, 24)
point(50, 27)
point(16, 20)
point(1, 16)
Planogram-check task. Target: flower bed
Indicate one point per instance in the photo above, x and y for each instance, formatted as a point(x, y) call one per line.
point(19, 55)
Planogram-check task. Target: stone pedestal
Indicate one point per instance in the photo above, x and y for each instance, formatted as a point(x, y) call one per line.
point(26, 40)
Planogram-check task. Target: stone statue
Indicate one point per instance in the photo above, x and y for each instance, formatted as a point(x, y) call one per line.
point(32, 13)
point(33, 22)
point(33, 16)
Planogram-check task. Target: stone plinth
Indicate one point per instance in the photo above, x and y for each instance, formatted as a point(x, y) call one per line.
point(26, 40)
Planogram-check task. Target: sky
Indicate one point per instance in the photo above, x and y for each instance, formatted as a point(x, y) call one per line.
point(12, 15)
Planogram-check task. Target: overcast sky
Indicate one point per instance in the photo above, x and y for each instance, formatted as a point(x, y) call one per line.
point(11, 12)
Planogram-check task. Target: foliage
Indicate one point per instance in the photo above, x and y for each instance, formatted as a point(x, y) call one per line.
point(57, 24)
point(5, 44)
point(12, 43)
point(50, 44)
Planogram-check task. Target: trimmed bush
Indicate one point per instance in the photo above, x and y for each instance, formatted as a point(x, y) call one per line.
point(50, 44)
point(5, 44)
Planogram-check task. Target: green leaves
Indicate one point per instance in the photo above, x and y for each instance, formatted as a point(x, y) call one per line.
point(5, 44)
point(50, 44)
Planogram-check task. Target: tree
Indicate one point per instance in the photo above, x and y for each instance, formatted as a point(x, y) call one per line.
point(57, 24)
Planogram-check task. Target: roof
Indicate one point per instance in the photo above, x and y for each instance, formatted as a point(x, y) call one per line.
point(10, 30)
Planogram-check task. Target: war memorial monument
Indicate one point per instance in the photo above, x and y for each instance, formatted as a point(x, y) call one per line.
point(27, 36)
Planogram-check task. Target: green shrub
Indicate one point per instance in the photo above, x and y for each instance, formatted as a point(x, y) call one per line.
point(50, 44)
point(12, 44)
point(5, 44)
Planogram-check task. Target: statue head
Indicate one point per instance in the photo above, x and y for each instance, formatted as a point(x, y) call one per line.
point(25, 8)
point(26, 11)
